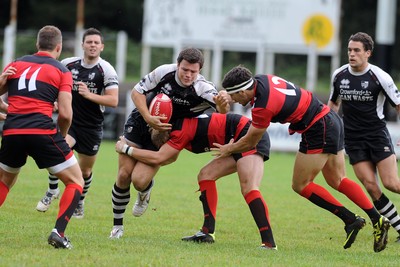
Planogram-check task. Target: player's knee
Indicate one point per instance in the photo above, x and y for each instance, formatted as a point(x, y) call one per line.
point(140, 184)
point(81, 182)
point(372, 189)
point(393, 185)
point(245, 189)
point(204, 174)
point(124, 176)
point(86, 172)
point(296, 188)
point(298, 185)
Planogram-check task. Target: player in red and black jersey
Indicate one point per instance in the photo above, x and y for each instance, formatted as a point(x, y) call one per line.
point(95, 87)
point(34, 83)
point(361, 89)
point(3, 109)
point(198, 136)
point(321, 148)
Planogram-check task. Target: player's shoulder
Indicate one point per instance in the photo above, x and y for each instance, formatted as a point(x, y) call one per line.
point(201, 79)
point(110, 73)
point(28, 60)
point(69, 60)
point(105, 64)
point(203, 84)
point(165, 69)
point(165, 72)
point(384, 78)
point(341, 71)
point(380, 73)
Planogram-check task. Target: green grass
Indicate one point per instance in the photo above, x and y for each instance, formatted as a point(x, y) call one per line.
point(305, 234)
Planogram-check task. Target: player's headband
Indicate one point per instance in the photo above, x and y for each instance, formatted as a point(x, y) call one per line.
point(240, 87)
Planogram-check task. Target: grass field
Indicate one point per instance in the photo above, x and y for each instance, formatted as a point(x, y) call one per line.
point(305, 234)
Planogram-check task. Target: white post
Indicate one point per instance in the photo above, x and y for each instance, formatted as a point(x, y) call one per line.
point(270, 62)
point(9, 44)
point(260, 58)
point(335, 61)
point(122, 44)
point(78, 51)
point(207, 63)
point(80, 17)
point(386, 22)
point(312, 67)
point(177, 50)
point(10, 33)
point(217, 64)
point(145, 60)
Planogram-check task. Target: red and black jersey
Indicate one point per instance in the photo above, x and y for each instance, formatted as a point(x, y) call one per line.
point(278, 100)
point(32, 92)
point(198, 134)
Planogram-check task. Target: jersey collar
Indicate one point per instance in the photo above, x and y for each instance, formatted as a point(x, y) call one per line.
point(43, 54)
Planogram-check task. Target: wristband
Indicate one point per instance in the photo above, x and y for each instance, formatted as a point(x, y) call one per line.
point(130, 150)
point(125, 149)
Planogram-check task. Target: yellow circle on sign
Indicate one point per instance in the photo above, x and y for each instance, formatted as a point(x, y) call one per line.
point(318, 29)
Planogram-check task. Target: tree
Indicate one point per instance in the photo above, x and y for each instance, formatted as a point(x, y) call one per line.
point(126, 15)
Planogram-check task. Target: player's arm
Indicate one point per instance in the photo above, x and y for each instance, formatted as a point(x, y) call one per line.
point(3, 105)
point(8, 71)
point(334, 98)
point(64, 111)
point(391, 90)
point(3, 109)
point(247, 142)
point(109, 98)
point(397, 107)
point(334, 105)
point(140, 103)
point(165, 155)
point(138, 93)
point(154, 121)
point(223, 102)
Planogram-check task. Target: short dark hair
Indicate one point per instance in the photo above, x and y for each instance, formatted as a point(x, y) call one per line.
point(365, 39)
point(158, 138)
point(191, 55)
point(92, 31)
point(235, 76)
point(48, 38)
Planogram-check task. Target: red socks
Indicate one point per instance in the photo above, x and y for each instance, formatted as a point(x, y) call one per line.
point(3, 192)
point(318, 190)
point(355, 193)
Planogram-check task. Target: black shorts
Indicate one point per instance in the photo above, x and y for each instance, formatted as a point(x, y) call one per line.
point(88, 140)
point(136, 130)
point(263, 147)
point(372, 148)
point(325, 136)
point(47, 150)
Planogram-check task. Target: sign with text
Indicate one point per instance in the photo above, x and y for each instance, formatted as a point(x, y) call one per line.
point(243, 22)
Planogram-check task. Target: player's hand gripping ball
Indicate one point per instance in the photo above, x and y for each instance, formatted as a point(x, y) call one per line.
point(161, 105)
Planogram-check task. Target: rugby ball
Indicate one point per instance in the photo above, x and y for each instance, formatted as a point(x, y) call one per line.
point(161, 105)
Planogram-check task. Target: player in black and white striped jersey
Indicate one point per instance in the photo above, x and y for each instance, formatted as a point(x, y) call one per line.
point(361, 88)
